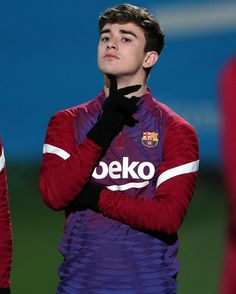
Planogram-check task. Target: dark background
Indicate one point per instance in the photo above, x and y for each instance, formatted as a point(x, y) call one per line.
point(48, 56)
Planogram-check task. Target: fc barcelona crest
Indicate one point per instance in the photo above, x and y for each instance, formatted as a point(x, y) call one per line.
point(150, 139)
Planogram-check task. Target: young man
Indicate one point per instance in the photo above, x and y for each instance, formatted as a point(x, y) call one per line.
point(5, 229)
point(123, 166)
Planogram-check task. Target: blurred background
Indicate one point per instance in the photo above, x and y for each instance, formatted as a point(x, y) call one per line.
point(48, 62)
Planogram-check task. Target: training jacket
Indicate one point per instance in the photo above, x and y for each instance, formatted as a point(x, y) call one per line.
point(149, 174)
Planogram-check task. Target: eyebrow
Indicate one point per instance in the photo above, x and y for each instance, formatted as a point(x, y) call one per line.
point(129, 33)
point(121, 31)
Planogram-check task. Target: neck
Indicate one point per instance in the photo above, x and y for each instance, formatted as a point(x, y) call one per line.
point(126, 82)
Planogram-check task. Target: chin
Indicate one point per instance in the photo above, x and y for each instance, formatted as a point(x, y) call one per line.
point(109, 72)
point(108, 69)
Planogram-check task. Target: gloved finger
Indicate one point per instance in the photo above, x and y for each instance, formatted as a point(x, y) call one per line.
point(113, 84)
point(134, 100)
point(127, 108)
point(130, 121)
point(128, 90)
point(129, 104)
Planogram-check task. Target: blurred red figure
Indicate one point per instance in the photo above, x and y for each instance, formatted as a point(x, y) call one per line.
point(5, 229)
point(228, 117)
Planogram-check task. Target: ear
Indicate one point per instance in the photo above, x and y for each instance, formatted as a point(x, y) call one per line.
point(150, 59)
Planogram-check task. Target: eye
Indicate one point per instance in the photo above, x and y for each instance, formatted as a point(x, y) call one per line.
point(126, 40)
point(105, 39)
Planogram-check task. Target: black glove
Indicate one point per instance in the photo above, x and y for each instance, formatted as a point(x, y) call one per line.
point(5, 291)
point(88, 198)
point(117, 110)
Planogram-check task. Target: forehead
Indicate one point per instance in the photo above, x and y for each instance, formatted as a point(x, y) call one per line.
point(120, 28)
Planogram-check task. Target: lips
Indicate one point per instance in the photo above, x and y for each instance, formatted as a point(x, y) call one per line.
point(112, 56)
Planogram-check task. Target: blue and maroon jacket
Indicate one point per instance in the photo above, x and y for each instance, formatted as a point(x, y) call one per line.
point(148, 174)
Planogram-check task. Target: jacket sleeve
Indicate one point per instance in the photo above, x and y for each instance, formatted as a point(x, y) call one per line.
point(5, 227)
point(175, 185)
point(66, 167)
point(227, 89)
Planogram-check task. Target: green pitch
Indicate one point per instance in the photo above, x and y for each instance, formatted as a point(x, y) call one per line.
point(37, 231)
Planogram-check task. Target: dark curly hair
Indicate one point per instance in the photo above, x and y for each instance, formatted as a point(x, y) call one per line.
point(141, 17)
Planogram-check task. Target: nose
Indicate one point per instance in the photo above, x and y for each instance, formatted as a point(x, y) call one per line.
point(111, 44)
